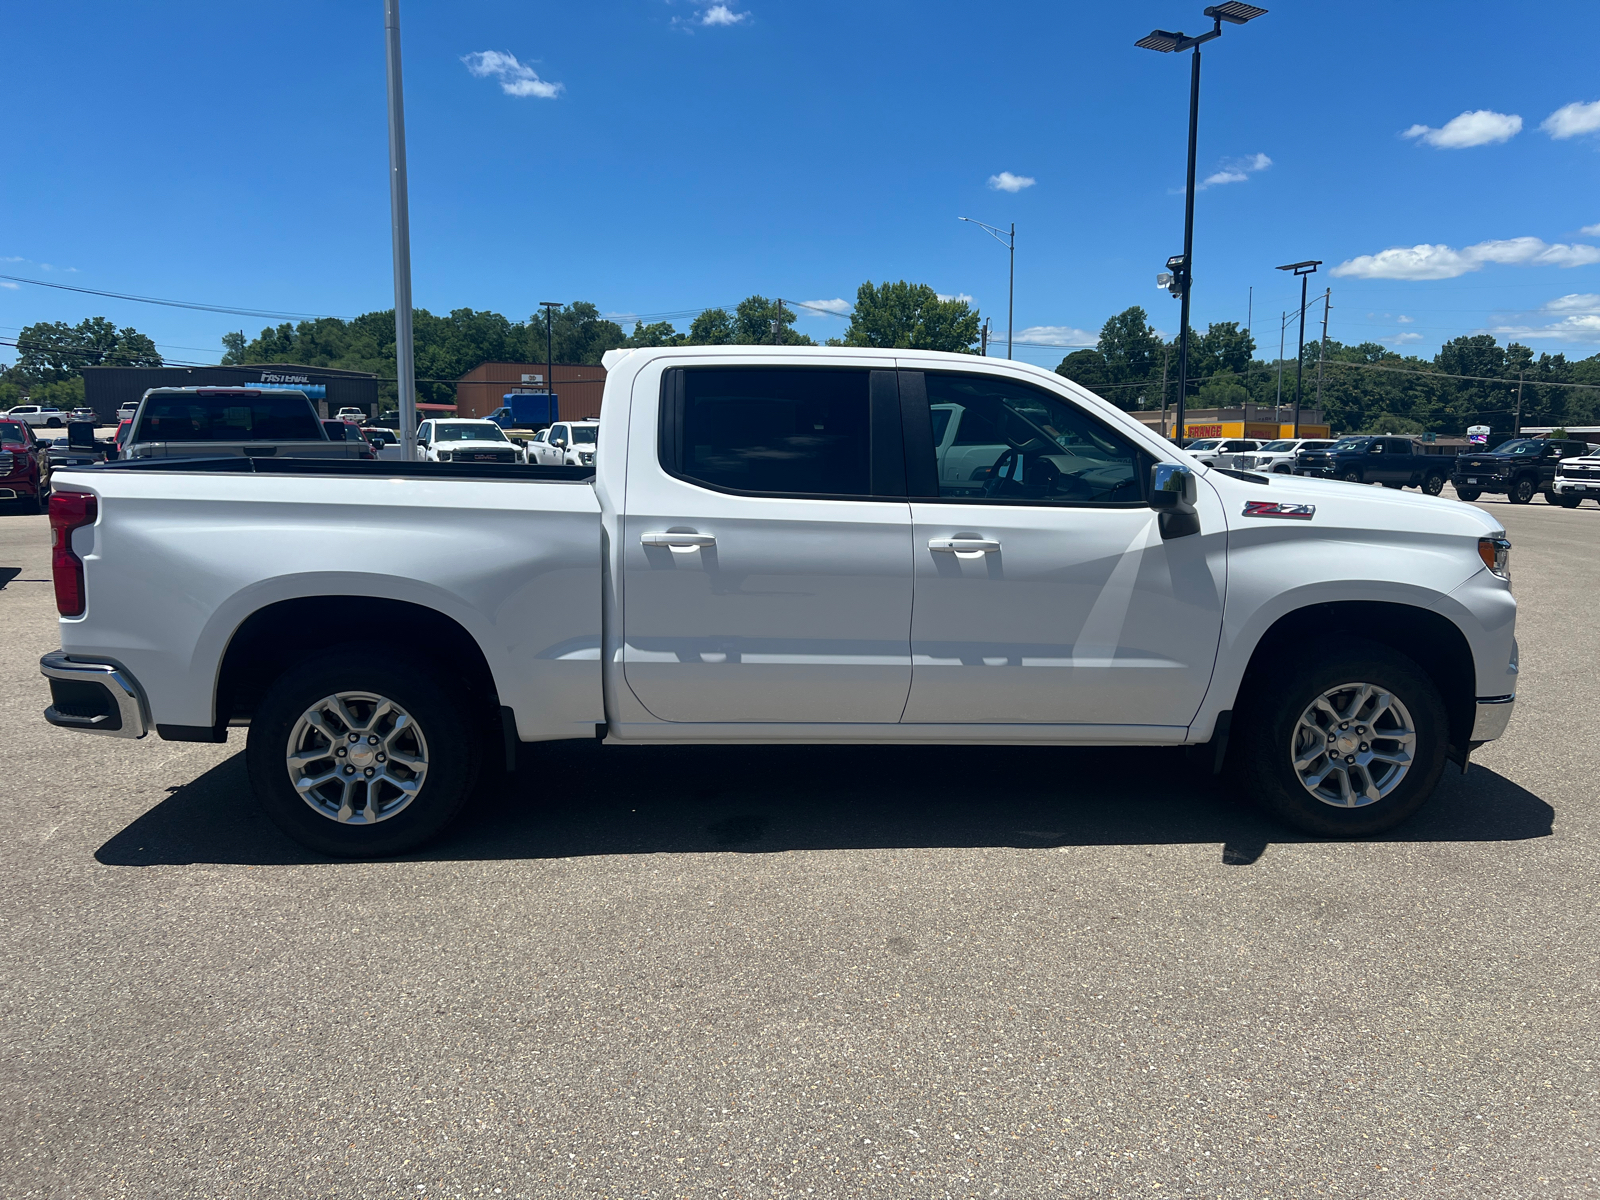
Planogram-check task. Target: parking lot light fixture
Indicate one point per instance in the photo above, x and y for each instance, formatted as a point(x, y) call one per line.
point(1167, 42)
point(1008, 239)
point(1304, 270)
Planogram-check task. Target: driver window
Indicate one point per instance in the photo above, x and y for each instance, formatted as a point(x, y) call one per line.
point(1014, 444)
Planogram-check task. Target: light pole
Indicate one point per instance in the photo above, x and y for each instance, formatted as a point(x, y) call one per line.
point(1305, 270)
point(550, 307)
point(1008, 239)
point(400, 230)
point(1182, 266)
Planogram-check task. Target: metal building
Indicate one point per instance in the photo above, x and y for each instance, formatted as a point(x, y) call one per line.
point(482, 390)
point(105, 389)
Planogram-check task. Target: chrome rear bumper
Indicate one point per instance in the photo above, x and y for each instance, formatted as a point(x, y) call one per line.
point(93, 697)
point(1494, 714)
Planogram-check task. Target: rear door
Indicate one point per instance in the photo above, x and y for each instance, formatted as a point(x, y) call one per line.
point(767, 547)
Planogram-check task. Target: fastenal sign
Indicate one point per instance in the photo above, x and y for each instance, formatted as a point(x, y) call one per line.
point(283, 380)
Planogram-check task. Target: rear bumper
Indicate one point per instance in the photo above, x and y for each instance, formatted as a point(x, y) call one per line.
point(93, 697)
point(1494, 714)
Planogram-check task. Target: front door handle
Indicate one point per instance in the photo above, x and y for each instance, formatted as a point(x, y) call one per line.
point(964, 547)
point(678, 543)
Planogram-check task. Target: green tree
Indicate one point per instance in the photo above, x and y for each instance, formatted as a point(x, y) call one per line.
point(581, 335)
point(713, 327)
point(1086, 368)
point(1222, 347)
point(1130, 348)
point(661, 333)
point(234, 347)
point(910, 316)
point(1222, 390)
point(53, 350)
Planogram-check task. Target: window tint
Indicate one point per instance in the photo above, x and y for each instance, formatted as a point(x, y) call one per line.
point(1016, 444)
point(774, 431)
point(1399, 446)
point(224, 418)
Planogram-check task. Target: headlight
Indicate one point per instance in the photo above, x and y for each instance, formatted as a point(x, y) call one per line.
point(445, 455)
point(1496, 555)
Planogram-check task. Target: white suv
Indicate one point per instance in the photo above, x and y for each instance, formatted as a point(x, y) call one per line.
point(1277, 458)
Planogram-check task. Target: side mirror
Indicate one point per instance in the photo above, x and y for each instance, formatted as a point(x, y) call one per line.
point(559, 443)
point(1173, 493)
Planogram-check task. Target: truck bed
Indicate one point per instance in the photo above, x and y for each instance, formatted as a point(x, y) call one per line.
point(354, 468)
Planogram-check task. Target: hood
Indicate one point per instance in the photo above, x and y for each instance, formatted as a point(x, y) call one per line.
point(1360, 507)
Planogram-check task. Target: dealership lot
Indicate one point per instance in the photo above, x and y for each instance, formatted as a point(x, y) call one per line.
point(793, 971)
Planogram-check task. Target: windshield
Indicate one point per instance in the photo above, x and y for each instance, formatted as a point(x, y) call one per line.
point(284, 417)
point(477, 431)
point(1278, 447)
point(11, 431)
point(1204, 444)
point(1519, 447)
point(583, 435)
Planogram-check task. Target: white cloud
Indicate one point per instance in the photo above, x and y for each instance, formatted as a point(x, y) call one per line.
point(1591, 230)
point(516, 78)
point(1480, 128)
point(1007, 182)
point(961, 296)
point(832, 308)
point(1235, 170)
point(1569, 329)
point(1574, 302)
point(1401, 339)
point(1443, 262)
point(1050, 335)
point(13, 258)
point(1570, 120)
point(6, 283)
point(721, 14)
point(1405, 320)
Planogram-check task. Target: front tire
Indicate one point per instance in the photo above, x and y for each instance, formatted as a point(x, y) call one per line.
point(1522, 491)
point(1352, 744)
point(361, 759)
point(1570, 501)
point(1468, 494)
point(1351, 477)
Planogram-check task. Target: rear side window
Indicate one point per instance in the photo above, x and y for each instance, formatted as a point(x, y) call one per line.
point(769, 431)
point(263, 418)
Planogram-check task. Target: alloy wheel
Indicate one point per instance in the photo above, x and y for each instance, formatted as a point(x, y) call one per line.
point(1353, 745)
point(357, 758)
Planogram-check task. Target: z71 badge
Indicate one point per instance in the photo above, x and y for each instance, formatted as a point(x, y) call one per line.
point(1289, 512)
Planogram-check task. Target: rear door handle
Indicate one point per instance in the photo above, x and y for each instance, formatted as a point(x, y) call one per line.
point(964, 547)
point(679, 543)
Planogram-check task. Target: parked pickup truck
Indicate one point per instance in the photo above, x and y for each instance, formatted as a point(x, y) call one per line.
point(765, 551)
point(1577, 479)
point(1518, 469)
point(1394, 462)
point(231, 422)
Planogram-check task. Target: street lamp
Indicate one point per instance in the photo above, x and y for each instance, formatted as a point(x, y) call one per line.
point(550, 307)
point(1182, 266)
point(1305, 270)
point(400, 234)
point(1009, 241)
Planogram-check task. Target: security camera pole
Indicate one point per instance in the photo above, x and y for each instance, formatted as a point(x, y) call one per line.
point(1182, 266)
point(400, 227)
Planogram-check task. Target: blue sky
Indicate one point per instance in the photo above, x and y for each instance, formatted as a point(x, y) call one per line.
point(656, 156)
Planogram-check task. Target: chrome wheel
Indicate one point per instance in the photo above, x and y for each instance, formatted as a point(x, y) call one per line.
point(357, 758)
point(1353, 745)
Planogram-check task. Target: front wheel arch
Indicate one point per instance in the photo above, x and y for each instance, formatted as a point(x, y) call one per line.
point(1430, 639)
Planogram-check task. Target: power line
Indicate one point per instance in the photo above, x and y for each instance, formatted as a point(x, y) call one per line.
point(266, 314)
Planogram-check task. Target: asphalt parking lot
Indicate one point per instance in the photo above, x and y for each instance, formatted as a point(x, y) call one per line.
point(807, 971)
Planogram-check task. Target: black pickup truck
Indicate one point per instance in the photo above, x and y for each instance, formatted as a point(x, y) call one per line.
point(1392, 461)
point(1517, 469)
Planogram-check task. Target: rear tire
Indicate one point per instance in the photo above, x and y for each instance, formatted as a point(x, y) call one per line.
point(1468, 494)
point(1522, 491)
point(323, 801)
point(1433, 484)
point(1283, 744)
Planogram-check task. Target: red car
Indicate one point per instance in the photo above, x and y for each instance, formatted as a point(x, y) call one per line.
point(24, 466)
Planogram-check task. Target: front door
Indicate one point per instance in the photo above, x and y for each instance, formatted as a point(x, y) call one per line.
point(1046, 595)
point(767, 548)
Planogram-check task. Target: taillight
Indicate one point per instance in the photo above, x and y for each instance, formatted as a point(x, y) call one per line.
point(69, 511)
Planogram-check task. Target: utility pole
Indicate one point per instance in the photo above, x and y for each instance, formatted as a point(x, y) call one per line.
point(1188, 239)
point(550, 307)
point(1011, 288)
point(1283, 323)
point(400, 235)
point(985, 336)
point(1304, 270)
point(1250, 313)
point(777, 326)
point(1166, 351)
point(1327, 297)
point(1516, 430)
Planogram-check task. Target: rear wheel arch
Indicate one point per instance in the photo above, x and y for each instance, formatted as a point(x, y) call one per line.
point(275, 638)
point(1427, 638)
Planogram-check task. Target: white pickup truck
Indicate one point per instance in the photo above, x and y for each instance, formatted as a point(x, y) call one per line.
point(766, 550)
